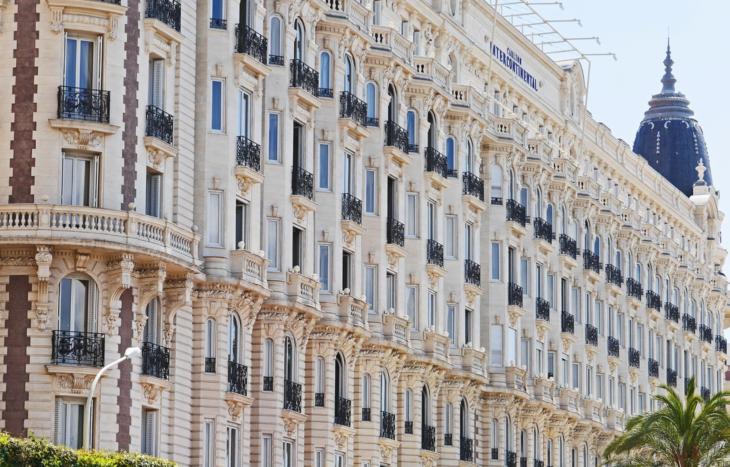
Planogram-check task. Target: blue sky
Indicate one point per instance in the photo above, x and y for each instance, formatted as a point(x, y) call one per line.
point(636, 31)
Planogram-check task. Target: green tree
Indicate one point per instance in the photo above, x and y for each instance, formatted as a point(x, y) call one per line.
point(691, 433)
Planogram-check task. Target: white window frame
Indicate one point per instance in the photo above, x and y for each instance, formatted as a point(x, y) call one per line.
point(209, 443)
point(277, 138)
point(496, 251)
point(275, 262)
point(215, 217)
point(412, 310)
point(222, 129)
point(148, 444)
point(371, 271)
point(374, 174)
point(328, 176)
point(412, 215)
point(325, 277)
point(451, 237)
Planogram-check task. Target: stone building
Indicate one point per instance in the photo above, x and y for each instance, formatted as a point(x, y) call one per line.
point(342, 233)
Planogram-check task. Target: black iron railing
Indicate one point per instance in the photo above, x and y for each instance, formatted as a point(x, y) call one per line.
point(302, 183)
point(396, 136)
point(613, 347)
point(165, 11)
point(653, 300)
point(568, 246)
point(351, 208)
point(689, 323)
point(452, 173)
point(705, 333)
point(387, 425)
point(466, 449)
point(671, 312)
point(495, 201)
point(720, 344)
point(366, 414)
point(435, 161)
point(613, 275)
point(218, 23)
point(434, 253)
point(510, 459)
point(539, 463)
point(634, 357)
point(523, 461)
point(77, 348)
point(543, 230)
point(248, 154)
point(155, 360)
point(343, 411)
point(277, 60)
point(591, 261)
point(412, 148)
point(373, 121)
point(302, 76)
point(90, 105)
point(653, 368)
point(633, 288)
point(319, 399)
point(495, 454)
point(328, 93)
point(268, 383)
point(409, 428)
point(159, 124)
point(472, 273)
point(354, 108)
point(591, 335)
point(292, 396)
point(567, 323)
point(210, 364)
point(514, 295)
point(671, 377)
point(516, 212)
point(252, 43)
point(237, 378)
point(395, 232)
point(542, 309)
point(705, 393)
point(448, 439)
point(473, 185)
point(428, 438)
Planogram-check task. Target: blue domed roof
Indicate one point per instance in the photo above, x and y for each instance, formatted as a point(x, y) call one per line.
point(669, 137)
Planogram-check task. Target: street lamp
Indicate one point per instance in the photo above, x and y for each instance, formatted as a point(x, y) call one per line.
point(128, 354)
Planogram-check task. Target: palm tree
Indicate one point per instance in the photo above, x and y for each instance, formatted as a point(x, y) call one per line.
point(694, 433)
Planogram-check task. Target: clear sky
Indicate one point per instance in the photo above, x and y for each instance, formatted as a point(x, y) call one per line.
point(636, 30)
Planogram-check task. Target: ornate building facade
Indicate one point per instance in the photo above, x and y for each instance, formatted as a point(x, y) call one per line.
point(343, 234)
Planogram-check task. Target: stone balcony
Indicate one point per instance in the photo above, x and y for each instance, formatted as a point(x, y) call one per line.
point(249, 266)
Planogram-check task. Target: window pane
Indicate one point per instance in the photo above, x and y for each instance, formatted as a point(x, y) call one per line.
point(214, 207)
point(324, 267)
point(272, 244)
point(411, 297)
point(496, 345)
point(411, 215)
point(370, 286)
point(273, 137)
point(324, 166)
point(370, 192)
point(495, 261)
point(451, 324)
point(451, 237)
point(216, 110)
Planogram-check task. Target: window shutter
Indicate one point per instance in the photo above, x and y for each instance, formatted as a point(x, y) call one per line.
point(158, 79)
point(155, 182)
point(93, 305)
point(59, 423)
point(151, 326)
point(94, 183)
point(98, 61)
point(151, 438)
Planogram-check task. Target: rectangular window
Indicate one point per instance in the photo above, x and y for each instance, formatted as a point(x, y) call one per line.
point(599, 386)
point(576, 376)
point(539, 358)
point(611, 395)
point(451, 323)
point(209, 444)
point(412, 214)
point(431, 220)
point(642, 402)
point(272, 243)
point(412, 304)
point(70, 423)
point(215, 229)
point(589, 381)
point(511, 346)
point(632, 407)
point(525, 354)
point(297, 251)
point(620, 329)
point(390, 291)
point(550, 290)
point(319, 458)
point(431, 310)
point(371, 275)
point(324, 268)
point(242, 225)
point(288, 454)
point(370, 191)
point(273, 138)
point(599, 317)
point(216, 12)
point(244, 114)
point(468, 241)
point(496, 345)
point(346, 270)
point(232, 447)
point(564, 370)
point(154, 195)
point(551, 365)
point(80, 180)
point(149, 433)
point(216, 109)
point(468, 338)
point(622, 396)
point(496, 261)
point(575, 304)
point(339, 459)
point(525, 276)
point(324, 167)
point(450, 233)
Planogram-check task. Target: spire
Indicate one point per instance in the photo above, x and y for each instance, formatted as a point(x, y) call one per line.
point(668, 79)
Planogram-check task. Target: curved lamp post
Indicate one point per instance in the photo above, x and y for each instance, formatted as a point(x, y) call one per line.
point(128, 354)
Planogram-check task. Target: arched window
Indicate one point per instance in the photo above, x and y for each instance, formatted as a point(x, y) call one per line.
point(585, 455)
point(275, 41)
point(349, 75)
point(538, 202)
point(152, 326)
point(496, 182)
point(658, 285)
point(523, 443)
point(340, 378)
point(450, 155)
point(393, 104)
point(507, 433)
point(619, 264)
point(325, 72)
point(524, 197)
point(425, 408)
point(77, 304)
point(597, 247)
point(692, 312)
point(469, 156)
point(537, 445)
point(495, 437)
point(268, 365)
point(299, 38)
point(574, 457)
point(549, 451)
point(319, 382)
point(234, 336)
point(464, 419)
point(210, 343)
point(290, 373)
point(431, 143)
point(561, 451)
point(366, 385)
point(371, 100)
point(412, 126)
point(638, 273)
point(549, 214)
point(384, 391)
point(449, 423)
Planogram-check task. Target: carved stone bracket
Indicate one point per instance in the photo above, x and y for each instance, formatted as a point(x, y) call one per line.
point(152, 390)
point(119, 272)
point(43, 260)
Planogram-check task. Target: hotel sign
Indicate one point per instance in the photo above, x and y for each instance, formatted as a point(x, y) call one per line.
point(513, 62)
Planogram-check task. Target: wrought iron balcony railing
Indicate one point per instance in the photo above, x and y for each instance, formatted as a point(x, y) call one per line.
point(634, 357)
point(614, 276)
point(568, 246)
point(373, 121)
point(366, 414)
point(248, 154)
point(395, 232)
point(159, 124)
point(495, 454)
point(428, 438)
point(218, 23)
point(472, 273)
point(343, 411)
point(155, 360)
point(327, 93)
point(354, 108)
point(653, 368)
point(77, 348)
point(653, 300)
point(237, 378)
point(705, 333)
point(523, 461)
point(466, 449)
point(720, 344)
point(516, 212)
point(496, 201)
point(671, 377)
point(412, 148)
point(396, 136)
point(268, 383)
point(591, 261)
point(543, 230)
point(452, 173)
point(387, 425)
point(89, 105)
point(473, 185)
point(351, 208)
point(210, 364)
point(277, 60)
point(252, 43)
point(409, 428)
point(686, 385)
point(435, 253)
point(319, 399)
point(435, 161)
point(591, 335)
point(302, 183)
point(613, 347)
point(302, 76)
point(671, 312)
point(705, 393)
point(689, 323)
point(292, 396)
point(514, 295)
point(448, 439)
point(542, 309)
point(567, 323)
point(539, 463)
point(510, 459)
point(633, 288)
point(165, 11)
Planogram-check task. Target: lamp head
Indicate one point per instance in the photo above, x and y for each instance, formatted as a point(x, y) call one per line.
point(132, 352)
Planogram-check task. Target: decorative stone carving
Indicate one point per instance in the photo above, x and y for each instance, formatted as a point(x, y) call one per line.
point(82, 139)
point(75, 384)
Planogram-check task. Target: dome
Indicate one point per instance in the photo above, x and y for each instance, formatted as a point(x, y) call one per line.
point(669, 137)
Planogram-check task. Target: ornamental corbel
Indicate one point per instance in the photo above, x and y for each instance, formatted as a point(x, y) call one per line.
point(43, 260)
point(119, 274)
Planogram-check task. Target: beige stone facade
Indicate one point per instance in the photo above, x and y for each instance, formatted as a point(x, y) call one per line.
point(344, 235)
